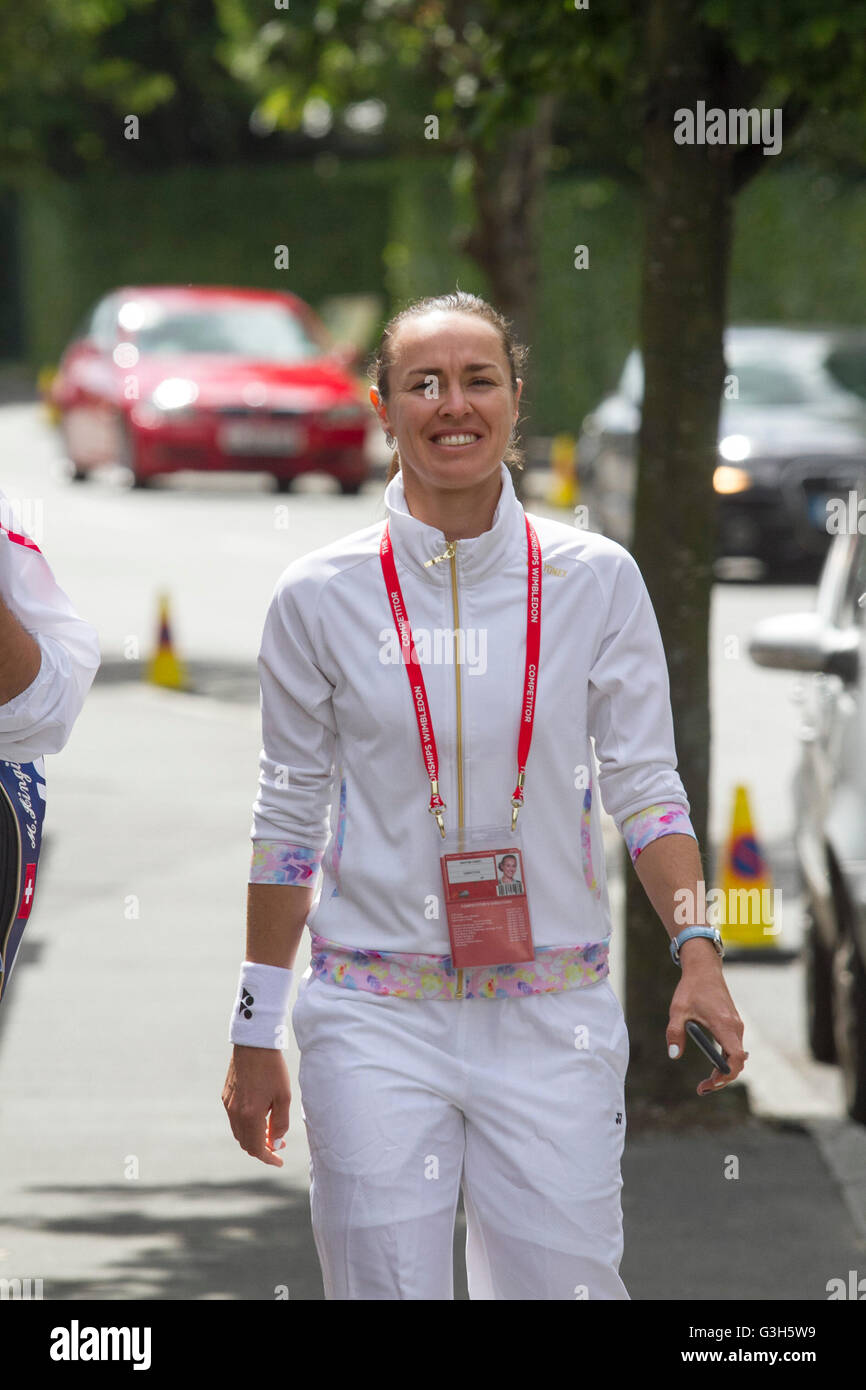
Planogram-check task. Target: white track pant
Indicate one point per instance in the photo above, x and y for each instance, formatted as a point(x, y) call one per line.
point(519, 1099)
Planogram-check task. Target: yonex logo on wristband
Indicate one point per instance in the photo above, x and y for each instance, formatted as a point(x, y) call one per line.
point(257, 1019)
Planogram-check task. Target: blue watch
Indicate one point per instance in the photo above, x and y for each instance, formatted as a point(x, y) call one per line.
point(712, 933)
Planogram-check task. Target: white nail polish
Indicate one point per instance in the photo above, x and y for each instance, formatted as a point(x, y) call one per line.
point(673, 1050)
point(279, 1143)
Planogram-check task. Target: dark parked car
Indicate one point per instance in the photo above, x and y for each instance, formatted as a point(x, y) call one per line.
point(167, 378)
point(829, 796)
point(793, 435)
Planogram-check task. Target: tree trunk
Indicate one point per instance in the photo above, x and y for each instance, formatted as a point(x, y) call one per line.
point(687, 229)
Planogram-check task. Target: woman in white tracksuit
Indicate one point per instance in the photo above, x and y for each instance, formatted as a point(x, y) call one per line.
point(456, 659)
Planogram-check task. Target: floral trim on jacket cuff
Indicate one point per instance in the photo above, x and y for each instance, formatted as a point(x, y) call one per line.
point(275, 861)
point(665, 818)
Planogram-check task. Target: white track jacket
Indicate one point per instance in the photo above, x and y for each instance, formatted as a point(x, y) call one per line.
point(341, 768)
point(40, 719)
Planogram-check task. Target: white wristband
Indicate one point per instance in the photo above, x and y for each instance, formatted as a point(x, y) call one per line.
point(261, 1004)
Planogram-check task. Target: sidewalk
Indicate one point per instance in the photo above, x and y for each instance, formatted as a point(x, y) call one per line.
point(120, 1178)
point(780, 1230)
point(795, 1216)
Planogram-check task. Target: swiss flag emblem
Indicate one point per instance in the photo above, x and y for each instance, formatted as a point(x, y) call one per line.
point(29, 888)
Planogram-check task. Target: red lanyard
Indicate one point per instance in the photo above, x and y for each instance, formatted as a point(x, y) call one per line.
point(419, 690)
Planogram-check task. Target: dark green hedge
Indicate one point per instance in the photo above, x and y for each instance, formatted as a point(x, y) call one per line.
point(388, 227)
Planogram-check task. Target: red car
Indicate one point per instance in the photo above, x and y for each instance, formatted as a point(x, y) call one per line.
point(167, 377)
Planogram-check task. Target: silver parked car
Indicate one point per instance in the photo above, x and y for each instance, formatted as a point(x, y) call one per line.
point(830, 799)
point(792, 435)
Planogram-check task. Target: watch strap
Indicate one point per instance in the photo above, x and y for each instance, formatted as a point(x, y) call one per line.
point(712, 933)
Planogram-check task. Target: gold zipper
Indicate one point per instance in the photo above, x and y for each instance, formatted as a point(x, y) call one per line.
point(450, 553)
point(447, 554)
point(459, 713)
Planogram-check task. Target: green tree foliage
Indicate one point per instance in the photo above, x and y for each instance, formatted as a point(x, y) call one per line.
point(73, 70)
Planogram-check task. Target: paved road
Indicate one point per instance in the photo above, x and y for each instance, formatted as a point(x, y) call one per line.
point(120, 1178)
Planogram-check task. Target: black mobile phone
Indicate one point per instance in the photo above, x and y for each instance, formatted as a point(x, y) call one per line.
point(707, 1045)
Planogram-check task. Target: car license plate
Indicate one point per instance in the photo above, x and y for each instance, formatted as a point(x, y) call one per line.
point(260, 437)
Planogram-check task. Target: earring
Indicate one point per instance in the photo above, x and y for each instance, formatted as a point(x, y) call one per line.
point(390, 440)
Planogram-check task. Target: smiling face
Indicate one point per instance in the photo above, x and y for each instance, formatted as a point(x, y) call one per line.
point(509, 866)
point(455, 438)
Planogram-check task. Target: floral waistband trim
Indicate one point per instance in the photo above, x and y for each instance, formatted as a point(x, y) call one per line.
point(414, 976)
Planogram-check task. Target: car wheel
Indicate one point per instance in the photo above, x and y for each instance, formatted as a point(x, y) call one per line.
point(819, 993)
point(349, 489)
point(129, 456)
point(75, 472)
point(849, 1018)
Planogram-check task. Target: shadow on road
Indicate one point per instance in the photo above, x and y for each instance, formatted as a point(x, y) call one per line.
point(251, 1241)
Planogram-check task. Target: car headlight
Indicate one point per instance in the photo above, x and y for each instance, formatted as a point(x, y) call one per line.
point(174, 393)
point(727, 479)
point(735, 447)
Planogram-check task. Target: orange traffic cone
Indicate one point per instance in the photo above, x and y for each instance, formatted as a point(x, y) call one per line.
point(164, 667)
point(750, 916)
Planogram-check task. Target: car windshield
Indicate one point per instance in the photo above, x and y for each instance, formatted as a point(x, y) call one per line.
point(778, 379)
point(265, 332)
point(762, 382)
point(847, 366)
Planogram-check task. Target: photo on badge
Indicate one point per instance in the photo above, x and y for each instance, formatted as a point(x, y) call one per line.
point(510, 873)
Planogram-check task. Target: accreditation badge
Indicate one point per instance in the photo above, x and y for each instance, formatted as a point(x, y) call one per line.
point(484, 881)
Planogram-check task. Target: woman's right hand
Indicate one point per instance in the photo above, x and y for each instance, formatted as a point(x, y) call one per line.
point(256, 1096)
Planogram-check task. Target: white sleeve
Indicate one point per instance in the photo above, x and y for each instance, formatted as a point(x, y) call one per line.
point(39, 719)
point(296, 762)
point(629, 710)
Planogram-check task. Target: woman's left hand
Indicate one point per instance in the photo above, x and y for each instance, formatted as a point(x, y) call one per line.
point(702, 994)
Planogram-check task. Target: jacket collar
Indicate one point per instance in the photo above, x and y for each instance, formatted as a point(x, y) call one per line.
point(477, 556)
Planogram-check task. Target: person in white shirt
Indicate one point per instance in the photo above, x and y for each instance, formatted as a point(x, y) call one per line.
point(48, 654)
point(48, 659)
point(418, 1076)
